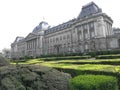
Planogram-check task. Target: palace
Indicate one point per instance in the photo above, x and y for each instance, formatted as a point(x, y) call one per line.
point(90, 31)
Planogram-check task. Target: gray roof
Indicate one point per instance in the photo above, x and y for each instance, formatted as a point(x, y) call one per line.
point(18, 38)
point(116, 30)
point(89, 9)
point(43, 25)
point(59, 27)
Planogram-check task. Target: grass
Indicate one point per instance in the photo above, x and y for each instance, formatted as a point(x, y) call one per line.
point(69, 64)
point(30, 61)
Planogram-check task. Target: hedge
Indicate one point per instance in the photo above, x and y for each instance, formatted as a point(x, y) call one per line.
point(75, 73)
point(103, 52)
point(113, 56)
point(98, 62)
point(93, 82)
point(66, 58)
point(92, 54)
point(61, 55)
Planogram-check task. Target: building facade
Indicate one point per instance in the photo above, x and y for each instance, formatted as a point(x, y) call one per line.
point(90, 31)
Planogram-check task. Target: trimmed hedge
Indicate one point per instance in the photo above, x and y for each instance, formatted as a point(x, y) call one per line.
point(99, 62)
point(113, 56)
point(65, 58)
point(61, 55)
point(75, 73)
point(93, 82)
point(92, 54)
point(104, 52)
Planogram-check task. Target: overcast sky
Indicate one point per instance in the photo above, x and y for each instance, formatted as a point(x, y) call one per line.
point(19, 17)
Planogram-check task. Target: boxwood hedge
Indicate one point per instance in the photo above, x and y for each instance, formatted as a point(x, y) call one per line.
point(75, 73)
point(66, 58)
point(93, 82)
point(104, 52)
point(113, 56)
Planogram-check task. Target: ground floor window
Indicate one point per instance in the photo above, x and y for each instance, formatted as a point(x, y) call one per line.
point(86, 47)
point(119, 43)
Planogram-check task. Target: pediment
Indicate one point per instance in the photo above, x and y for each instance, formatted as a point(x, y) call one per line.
point(31, 35)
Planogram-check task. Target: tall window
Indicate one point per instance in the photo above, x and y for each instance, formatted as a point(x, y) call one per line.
point(53, 39)
point(60, 37)
point(93, 45)
point(80, 47)
point(119, 43)
point(85, 26)
point(86, 47)
point(85, 34)
point(68, 36)
point(80, 35)
point(91, 25)
point(92, 33)
point(57, 39)
point(91, 28)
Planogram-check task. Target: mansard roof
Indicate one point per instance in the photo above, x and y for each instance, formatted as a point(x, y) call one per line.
point(89, 9)
point(59, 27)
point(42, 26)
point(18, 38)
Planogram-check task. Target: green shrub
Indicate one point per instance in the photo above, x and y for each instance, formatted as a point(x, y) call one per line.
point(105, 62)
point(11, 83)
point(93, 82)
point(92, 54)
point(113, 56)
point(66, 58)
point(4, 61)
point(75, 73)
point(60, 55)
point(104, 52)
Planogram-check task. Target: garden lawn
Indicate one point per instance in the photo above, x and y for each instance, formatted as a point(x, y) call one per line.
point(108, 67)
point(28, 62)
point(67, 64)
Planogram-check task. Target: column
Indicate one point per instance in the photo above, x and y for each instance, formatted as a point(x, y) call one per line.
point(37, 43)
point(95, 28)
point(31, 44)
point(88, 30)
point(82, 33)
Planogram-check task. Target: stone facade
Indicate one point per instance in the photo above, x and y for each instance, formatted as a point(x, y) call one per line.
point(90, 31)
